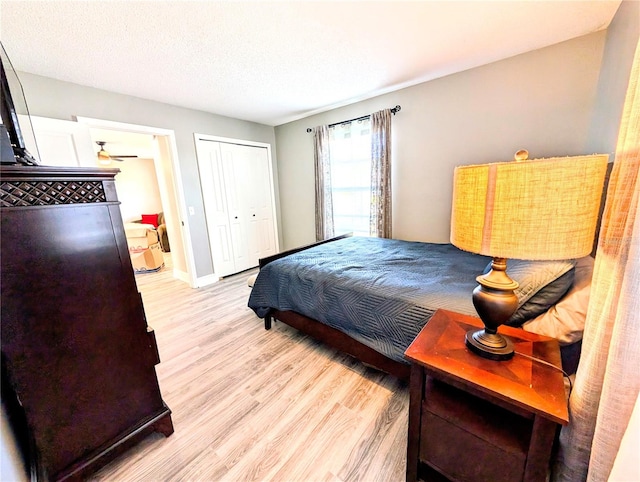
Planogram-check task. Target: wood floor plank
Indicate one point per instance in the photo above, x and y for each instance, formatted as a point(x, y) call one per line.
point(250, 404)
point(368, 446)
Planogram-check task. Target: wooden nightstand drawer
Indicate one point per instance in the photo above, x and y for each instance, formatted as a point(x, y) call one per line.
point(461, 455)
point(458, 426)
point(495, 425)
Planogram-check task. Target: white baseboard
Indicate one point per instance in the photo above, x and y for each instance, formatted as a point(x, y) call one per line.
point(198, 282)
point(181, 275)
point(205, 281)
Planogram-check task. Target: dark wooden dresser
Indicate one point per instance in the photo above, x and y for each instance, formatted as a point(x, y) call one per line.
point(78, 359)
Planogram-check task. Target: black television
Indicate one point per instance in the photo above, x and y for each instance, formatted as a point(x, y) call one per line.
point(13, 149)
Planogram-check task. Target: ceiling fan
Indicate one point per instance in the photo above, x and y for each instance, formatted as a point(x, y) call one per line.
point(105, 158)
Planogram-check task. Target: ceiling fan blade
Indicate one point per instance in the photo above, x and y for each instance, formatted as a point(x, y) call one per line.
point(104, 157)
point(121, 158)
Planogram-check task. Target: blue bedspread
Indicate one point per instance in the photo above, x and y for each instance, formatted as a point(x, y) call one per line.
point(380, 292)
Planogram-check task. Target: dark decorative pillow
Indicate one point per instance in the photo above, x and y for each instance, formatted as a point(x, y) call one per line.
point(150, 219)
point(542, 285)
point(565, 320)
point(543, 299)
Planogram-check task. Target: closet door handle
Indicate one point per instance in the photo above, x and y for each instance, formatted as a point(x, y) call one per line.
point(235, 217)
point(254, 215)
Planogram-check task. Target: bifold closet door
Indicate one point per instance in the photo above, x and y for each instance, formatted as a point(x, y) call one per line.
point(239, 204)
point(250, 198)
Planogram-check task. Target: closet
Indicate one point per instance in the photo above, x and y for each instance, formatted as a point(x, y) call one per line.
point(237, 189)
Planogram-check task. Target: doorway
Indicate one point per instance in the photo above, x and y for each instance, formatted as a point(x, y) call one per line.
point(161, 146)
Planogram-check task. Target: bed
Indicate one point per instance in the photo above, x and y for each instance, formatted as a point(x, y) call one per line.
point(370, 297)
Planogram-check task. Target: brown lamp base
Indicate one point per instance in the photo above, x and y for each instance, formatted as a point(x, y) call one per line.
point(493, 346)
point(495, 301)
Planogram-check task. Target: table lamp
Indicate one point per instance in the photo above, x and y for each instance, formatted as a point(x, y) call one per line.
point(538, 209)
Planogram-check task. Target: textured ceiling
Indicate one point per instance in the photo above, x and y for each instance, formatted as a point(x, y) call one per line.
point(274, 62)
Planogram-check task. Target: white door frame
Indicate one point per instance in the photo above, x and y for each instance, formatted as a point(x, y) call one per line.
point(205, 137)
point(183, 222)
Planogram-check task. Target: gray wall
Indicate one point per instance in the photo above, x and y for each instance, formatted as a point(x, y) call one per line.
point(541, 101)
point(63, 100)
point(622, 40)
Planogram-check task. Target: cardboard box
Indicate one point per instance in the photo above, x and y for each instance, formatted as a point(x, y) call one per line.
point(148, 260)
point(140, 236)
point(141, 240)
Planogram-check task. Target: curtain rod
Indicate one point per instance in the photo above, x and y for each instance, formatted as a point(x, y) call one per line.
point(393, 111)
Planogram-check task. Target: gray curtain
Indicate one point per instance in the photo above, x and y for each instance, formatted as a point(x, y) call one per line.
point(324, 204)
point(380, 217)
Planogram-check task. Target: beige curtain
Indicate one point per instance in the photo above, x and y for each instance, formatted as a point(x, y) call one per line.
point(380, 217)
point(627, 465)
point(324, 204)
point(608, 378)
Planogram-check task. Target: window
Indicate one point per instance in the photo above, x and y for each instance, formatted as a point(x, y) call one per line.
point(350, 158)
point(352, 163)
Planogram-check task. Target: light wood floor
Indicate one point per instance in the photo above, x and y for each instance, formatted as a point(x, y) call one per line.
point(250, 404)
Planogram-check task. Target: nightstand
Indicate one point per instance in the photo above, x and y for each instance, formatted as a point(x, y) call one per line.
point(474, 419)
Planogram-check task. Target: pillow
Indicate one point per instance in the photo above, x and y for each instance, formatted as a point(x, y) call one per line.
point(150, 219)
point(565, 320)
point(543, 299)
point(541, 285)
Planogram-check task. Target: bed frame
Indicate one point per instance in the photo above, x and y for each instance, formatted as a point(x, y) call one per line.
point(329, 335)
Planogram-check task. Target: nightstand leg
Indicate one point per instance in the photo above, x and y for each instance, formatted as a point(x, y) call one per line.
point(416, 388)
point(540, 447)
